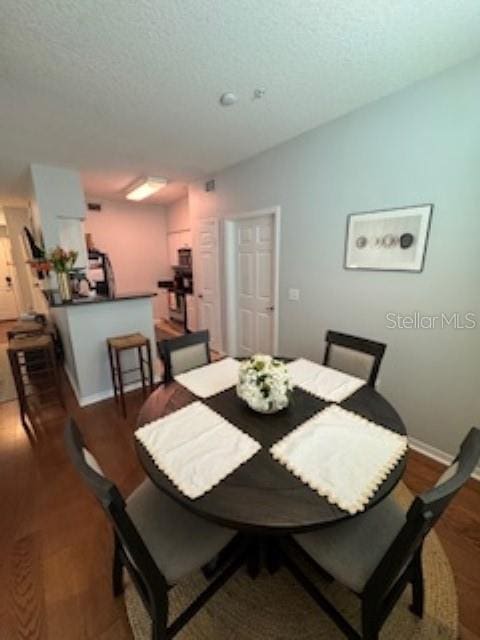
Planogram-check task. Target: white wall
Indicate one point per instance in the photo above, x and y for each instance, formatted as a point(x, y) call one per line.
point(419, 145)
point(179, 228)
point(85, 328)
point(135, 238)
point(178, 215)
point(59, 208)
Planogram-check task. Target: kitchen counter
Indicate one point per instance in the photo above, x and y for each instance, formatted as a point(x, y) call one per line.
point(75, 302)
point(85, 324)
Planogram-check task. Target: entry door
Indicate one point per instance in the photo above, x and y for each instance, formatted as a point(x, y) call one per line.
point(8, 301)
point(255, 285)
point(207, 281)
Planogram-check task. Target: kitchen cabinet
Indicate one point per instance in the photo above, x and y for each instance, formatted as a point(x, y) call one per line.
point(161, 305)
point(178, 240)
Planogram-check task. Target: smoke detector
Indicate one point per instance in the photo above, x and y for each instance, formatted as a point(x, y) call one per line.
point(227, 99)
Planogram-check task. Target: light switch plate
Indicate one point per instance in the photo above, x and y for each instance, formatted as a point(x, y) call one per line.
point(294, 294)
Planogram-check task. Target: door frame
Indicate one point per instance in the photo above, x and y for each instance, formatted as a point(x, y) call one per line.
point(230, 274)
point(14, 277)
point(219, 348)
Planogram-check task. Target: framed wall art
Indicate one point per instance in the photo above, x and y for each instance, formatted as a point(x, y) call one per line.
point(388, 240)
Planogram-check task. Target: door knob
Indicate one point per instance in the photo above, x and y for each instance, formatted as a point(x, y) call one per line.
point(200, 295)
point(271, 308)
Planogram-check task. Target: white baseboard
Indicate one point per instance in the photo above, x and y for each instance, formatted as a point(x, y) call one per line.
point(436, 454)
point(84, 401)
point(108, 393)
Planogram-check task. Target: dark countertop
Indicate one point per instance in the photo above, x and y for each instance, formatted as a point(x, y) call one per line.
point(75, 302)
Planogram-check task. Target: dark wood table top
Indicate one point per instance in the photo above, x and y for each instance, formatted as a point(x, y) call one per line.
point(262, 496)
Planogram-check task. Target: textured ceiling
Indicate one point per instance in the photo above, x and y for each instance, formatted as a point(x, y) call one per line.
point(121, 88)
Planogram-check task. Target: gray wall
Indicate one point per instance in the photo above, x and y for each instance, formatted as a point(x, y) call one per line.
point(419, 145)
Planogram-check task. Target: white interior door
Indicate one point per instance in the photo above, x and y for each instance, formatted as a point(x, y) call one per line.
point(255, 285)
point(207, 281)
point(8, 300)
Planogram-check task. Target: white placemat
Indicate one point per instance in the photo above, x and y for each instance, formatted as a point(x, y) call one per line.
point(212, 378)
point(324, 382)
point(196, 448)
point(341, 455)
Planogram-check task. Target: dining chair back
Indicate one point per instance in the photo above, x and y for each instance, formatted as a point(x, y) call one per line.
point(179, 540)
point(404, 555)
point(184, 353)
point(353, 355)
point(144, 572)
point(378, 553)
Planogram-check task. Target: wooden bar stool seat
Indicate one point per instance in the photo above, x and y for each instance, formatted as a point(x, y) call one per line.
point(35, 372)
point(25, 327)
point(116, 345)
point(29, 342)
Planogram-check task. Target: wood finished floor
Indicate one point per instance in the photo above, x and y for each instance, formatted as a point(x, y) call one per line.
point(55, 543)
point(5, 326)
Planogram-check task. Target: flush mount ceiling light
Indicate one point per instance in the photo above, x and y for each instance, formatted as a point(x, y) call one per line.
point(145, 188)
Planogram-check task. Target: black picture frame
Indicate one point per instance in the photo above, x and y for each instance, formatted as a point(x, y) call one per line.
point(416, 210)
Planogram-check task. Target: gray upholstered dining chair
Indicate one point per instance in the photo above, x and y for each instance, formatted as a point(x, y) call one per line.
point(158, 541)
point(376, 554)
point(184, 353)
point(357, 356)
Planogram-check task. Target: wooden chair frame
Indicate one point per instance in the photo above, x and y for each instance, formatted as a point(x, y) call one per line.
point(41, 364)
point(402, 563)
point(131, 552)
point(372, 348)
point(167, 347)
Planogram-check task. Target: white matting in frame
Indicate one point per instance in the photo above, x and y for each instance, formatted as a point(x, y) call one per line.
point(389, 240)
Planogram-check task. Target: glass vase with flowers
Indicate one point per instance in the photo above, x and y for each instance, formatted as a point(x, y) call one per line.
point(62, 262)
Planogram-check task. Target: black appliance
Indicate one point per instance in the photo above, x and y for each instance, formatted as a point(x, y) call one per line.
point(100, 273)
point(185, 259)
point(182, 281)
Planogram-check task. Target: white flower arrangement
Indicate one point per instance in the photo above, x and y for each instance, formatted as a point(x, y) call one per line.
point(264, 384)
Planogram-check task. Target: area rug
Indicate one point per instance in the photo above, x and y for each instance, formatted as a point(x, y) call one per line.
point(7, 385)
point(276, 607)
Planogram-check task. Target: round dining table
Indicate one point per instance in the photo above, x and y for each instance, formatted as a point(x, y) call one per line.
point(262, 497)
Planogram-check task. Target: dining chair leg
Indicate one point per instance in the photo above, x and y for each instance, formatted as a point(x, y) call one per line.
point(158, 633)
point(417, 585)
point(370, 627)
point(117, 569)
point(160, 619)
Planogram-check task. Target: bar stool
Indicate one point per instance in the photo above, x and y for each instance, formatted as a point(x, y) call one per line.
point(116, 345)
point(34, 369)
